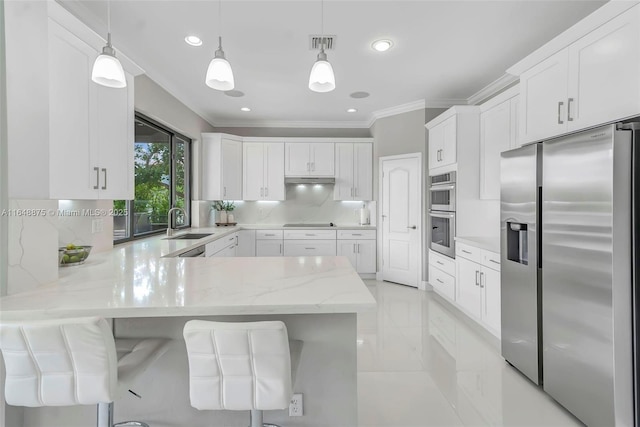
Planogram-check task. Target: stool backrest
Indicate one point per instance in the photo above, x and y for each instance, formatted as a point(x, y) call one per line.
point(59, 362)
point(238, 366)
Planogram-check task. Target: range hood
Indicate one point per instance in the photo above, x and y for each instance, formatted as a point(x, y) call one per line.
point(309, 180)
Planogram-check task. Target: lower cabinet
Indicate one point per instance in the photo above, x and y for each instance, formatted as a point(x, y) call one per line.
point(361, 253)
point(223, 247)
point(309, 248)
point(269, 248)
point(478, 292)
point(246, 243)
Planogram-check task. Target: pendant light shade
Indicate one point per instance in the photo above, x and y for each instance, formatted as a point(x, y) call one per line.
point(219, 73)
point(107, 70)
point(322, 78)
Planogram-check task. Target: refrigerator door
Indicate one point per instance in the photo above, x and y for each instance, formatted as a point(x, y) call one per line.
point(520, 172)
point(586, 275)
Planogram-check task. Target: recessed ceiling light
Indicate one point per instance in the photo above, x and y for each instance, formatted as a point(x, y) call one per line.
point(351, 110)
point(245, 109)
point(193, 40)
point(382, 45)
point(359, 95)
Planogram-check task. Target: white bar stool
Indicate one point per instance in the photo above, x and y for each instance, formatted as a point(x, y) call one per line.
point(240, 366)
point(66, 362)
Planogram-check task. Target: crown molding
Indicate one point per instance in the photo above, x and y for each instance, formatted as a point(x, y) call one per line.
point(294, 124)
point(492, 88)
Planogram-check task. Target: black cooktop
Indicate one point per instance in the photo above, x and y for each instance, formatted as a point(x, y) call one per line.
point(310, 225)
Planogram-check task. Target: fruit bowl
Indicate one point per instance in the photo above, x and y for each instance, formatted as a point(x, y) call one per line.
point(75, 255)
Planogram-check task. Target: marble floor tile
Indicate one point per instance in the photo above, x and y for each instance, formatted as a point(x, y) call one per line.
point(421, 363)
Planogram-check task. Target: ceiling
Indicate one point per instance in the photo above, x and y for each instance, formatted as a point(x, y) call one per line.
point(443, 53)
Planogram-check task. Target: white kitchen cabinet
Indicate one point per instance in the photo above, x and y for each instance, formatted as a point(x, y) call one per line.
point(478, 288)
point(604, 73)
point(468, 294)
point(263, 167)
point(442, 143)
point(452, 134)
point(269, 248)
point(310, 247)
point(353, 171)
point(246, 243)
point(361, 253)
point(593, 81)
point(221, 167)
point(309, 159)
point(90, 126)
point(222, 247)
point(498, 133)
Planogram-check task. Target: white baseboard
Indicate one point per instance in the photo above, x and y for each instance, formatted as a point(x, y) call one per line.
point(371, 276)
point(379, 275)
point(425, 286)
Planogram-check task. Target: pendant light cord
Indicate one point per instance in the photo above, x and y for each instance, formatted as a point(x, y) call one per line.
point(220, 17)
point(109, 23)
point(322, 22)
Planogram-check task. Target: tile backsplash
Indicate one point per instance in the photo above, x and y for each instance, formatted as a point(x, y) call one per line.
point(305, 203)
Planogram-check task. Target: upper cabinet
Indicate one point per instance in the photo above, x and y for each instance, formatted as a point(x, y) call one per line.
point(594, 80)
point(221, 167)
point(498, 133)
point(354, 171)
point(309, 159)
point(263, 165)
point(90, 126)
point(452, 131)
point(442, 143)
point(68, 137)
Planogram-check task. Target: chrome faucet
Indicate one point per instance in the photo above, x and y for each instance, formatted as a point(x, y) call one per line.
point(171, 230)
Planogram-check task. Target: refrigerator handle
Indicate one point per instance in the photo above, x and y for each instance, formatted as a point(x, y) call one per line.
point(539, 227)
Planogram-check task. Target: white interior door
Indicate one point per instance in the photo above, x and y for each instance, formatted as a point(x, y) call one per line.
point(401, 219)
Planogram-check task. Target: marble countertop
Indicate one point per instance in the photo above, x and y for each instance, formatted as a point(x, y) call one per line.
point(135, 280)
point(489, 243)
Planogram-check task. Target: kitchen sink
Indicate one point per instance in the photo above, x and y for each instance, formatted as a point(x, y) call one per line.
point(190, 236)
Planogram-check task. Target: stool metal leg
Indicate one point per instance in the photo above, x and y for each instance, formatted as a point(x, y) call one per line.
point(257, 420)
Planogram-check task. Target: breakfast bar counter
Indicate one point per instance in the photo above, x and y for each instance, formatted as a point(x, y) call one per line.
point(149, 295)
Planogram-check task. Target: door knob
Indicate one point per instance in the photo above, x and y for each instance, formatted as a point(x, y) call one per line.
point(413, 227)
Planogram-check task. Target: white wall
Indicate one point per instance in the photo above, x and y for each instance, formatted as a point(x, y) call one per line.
point(402, 134)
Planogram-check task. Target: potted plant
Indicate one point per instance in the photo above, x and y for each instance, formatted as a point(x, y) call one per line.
point(224, 208)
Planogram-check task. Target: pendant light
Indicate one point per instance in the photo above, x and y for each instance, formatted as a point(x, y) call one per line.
point(219, 74)
point(107, 70)
point(321, 78)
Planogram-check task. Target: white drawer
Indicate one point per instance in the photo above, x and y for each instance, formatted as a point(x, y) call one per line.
point(310, 234)
point(443, 283)
point(309, 248)
point(469, 252)
point(444, 263)
point(268, 234)
point(491, 260)
point(357, 234)
point(217, 245)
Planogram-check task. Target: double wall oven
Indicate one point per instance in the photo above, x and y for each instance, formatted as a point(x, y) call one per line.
point(442, 213)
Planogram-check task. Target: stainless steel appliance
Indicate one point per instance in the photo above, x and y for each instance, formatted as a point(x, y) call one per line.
point(443, 192)
point(442, 215)
point(568, 289)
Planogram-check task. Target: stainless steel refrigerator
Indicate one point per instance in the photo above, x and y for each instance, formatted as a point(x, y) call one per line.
point(569, 259)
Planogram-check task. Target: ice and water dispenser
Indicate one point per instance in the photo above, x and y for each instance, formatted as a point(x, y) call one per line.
point(517, 243)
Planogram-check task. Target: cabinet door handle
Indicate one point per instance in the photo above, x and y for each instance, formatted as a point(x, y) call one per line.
point(104, 187)
point(236, 240)
point(308, 167)
point(261, 191)
point(354, 248)
point(481, 276)
point(95, 187)
point(494, 261)
point(224, 191)
point(413, 227)
point(569, 118)
point(266, 191)
point(351, 191)
point(358, 247)
point(355, 191)
point(313, 166)
point(477, 273)
point(280, 247)
point(560, 104)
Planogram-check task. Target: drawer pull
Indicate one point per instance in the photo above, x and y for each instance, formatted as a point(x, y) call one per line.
point(466, 252)
point(309, 234)
point(440, 281)
point(494, 261)
point(440, 262)
point(269, 234)
point(356, 234)
point(310, 249)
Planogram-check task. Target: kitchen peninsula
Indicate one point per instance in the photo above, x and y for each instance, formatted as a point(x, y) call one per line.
point(150, 295)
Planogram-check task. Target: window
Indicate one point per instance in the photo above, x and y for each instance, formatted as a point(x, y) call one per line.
point(161, 161)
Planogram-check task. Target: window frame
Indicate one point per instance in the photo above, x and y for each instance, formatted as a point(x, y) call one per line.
point(188, 142)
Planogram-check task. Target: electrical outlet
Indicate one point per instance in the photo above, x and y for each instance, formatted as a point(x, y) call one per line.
point(97, 226)
point(295, 406)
